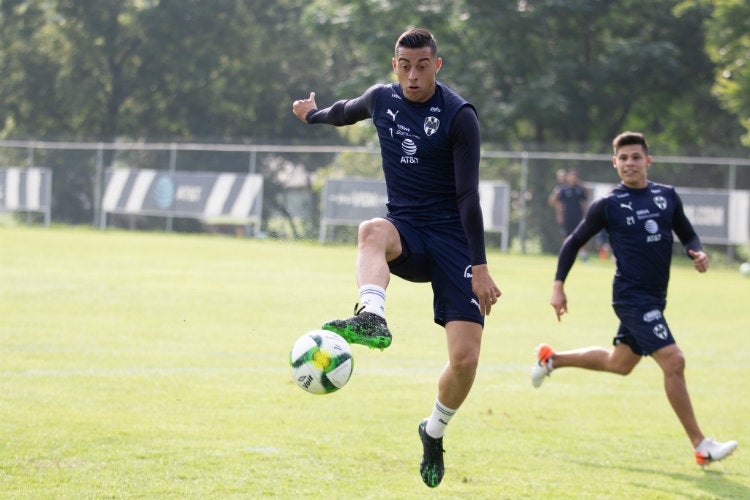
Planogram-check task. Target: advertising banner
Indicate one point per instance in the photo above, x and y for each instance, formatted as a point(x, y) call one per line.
point(212, 197)
point(26, 190)
point(349, 201)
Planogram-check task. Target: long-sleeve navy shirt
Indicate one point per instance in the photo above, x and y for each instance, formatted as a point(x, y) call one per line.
point(430, 154)
point(640, 223)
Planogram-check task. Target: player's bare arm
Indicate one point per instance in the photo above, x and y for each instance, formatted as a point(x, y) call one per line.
point(484, 287)
point(301, 107)
point(559, 301)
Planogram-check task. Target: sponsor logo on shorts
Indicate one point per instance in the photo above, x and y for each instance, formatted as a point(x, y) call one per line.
point(467, 272)
point(652, 316)
point(661, 331)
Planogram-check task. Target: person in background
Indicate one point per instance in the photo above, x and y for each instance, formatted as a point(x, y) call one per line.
point(570, 205)
point(555, 193)
point(640, 217)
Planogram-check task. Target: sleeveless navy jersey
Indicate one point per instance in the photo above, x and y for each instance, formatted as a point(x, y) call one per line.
point(430, 180)
point(640, 223)
point(417, 153)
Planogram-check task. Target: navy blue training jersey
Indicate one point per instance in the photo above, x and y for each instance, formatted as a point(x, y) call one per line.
point(640, 223)
point(572, 199)
point(430, 154)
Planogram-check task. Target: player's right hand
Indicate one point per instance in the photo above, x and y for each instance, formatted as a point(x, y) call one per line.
point(301, 107)
point(559, 301)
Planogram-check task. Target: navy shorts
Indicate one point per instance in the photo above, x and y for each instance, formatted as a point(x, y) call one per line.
point(440, 255)
point(642, 328)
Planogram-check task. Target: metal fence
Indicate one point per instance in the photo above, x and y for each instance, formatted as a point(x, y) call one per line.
point(294, 177)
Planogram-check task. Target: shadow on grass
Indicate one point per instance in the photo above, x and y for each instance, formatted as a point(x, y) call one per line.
point(711, 481)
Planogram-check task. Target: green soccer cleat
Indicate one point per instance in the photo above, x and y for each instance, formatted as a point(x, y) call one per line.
point(363, 328)
point(432, 468)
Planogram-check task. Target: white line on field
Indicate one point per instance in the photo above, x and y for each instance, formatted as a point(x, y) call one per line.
point(214, 370)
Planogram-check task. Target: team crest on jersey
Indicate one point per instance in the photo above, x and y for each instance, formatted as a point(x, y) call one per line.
point(431, 125)
point(660, 202)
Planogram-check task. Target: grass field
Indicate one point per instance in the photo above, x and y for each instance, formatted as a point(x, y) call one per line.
point(140, 365)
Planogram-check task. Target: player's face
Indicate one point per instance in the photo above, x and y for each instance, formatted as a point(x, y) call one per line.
point(632, 163)
point(416, 70)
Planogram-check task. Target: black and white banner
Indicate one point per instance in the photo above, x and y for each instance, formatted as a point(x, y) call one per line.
point(212, 197)
point(718, 216)
point(349, 201)
point(26, 190)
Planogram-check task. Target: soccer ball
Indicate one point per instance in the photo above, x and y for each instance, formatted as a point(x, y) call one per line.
point(745, 269)
point(321, 362)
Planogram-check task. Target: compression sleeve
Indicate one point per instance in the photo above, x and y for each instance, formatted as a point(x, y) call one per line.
point(464, 135)
point(684, 229)
point(594, 221)
point(347, 111)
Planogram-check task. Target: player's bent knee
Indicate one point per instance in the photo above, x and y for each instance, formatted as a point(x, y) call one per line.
point(671, 359)
point(623, 367)
point(373, 228)
point(622, 370)
point(675, 365)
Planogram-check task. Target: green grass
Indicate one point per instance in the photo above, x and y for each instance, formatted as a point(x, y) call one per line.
point(155, 366)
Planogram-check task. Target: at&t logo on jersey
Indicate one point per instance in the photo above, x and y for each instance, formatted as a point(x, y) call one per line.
point(653, 229)
point(410, 148)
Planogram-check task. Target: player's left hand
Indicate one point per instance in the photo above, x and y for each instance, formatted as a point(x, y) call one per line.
point(700, 260)
point(485, 288)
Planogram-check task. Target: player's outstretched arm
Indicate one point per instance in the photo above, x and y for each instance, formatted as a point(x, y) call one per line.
point(301, 107)
point(559, 301)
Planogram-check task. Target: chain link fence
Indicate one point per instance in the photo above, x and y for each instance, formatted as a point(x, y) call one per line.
point(294, 177)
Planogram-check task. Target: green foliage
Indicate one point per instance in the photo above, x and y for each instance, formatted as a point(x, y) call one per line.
point(155, 366)
point(728, 33)
point(541, 72)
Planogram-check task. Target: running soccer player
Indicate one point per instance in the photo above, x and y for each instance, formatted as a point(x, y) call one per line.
point(639, 216)
point(433, 230)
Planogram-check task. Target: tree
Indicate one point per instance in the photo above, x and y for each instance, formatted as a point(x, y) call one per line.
point(30, 46)
point(728, 35)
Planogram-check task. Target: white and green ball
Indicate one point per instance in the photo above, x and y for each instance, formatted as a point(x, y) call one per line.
point(745, 269)
point(321, 362)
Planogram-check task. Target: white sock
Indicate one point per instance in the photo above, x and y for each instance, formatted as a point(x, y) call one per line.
point(439, 419)
point(372, 298)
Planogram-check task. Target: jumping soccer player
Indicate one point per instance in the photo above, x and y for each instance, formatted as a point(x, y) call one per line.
point(639, 216)
point(433, 230)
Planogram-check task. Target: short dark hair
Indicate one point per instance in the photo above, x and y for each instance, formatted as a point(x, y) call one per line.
point(627, 138)
point(416, 39)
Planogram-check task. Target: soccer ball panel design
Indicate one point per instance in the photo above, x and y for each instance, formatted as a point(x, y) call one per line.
point(321, 362)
